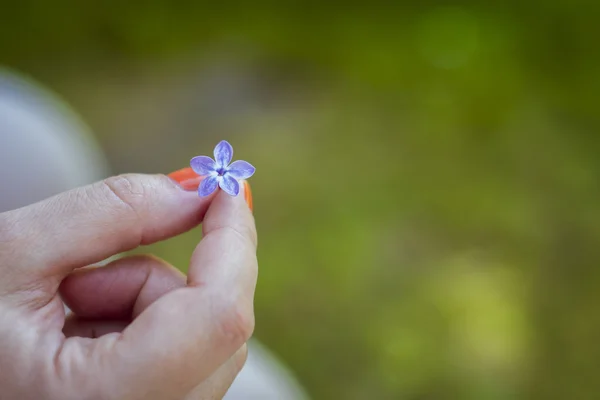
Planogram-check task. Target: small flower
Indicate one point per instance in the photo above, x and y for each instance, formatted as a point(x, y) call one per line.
point(219, 172)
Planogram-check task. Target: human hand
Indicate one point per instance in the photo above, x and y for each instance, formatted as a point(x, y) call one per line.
point(140, 328)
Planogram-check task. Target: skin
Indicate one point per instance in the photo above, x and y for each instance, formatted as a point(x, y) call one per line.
point(140, 329)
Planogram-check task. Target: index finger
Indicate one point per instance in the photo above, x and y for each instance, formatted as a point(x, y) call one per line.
point(89, 224)
point(183, 337)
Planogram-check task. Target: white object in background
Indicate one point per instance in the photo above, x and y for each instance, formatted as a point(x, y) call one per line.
point(44, 148)
point(264, 378)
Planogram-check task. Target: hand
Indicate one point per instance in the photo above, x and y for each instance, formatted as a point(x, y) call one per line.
point(140, 328)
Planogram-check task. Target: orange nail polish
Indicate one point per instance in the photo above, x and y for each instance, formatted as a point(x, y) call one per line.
point(248, 195)
point(187, 178)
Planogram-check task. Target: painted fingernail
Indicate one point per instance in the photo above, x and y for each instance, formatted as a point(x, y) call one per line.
point(248, 195)
point(186, 178)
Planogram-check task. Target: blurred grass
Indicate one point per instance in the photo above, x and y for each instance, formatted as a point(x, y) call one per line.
point(427, 187)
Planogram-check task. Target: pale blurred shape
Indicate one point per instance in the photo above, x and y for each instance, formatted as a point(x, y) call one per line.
point(44, 148)
point(264, 378)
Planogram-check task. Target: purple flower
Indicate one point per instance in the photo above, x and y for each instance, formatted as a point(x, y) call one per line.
point(220, 172)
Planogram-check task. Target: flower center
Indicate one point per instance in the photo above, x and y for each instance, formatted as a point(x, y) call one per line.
point(221, 171)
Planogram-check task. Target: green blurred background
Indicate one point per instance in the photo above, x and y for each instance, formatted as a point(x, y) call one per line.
point(427, 192)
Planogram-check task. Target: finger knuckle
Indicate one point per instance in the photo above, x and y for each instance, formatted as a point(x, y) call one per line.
point(237, 323)
point(252, 235)
point(249, 233)
point(126, 190)
point(242, 233)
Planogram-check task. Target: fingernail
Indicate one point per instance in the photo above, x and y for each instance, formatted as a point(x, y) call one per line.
point(248, 195)
point(186, 178)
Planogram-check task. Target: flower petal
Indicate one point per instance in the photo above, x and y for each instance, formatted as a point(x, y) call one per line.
point(202, 165)
point(241, 169)
point(230, 185)
point(223, 154)
point(208, 185)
